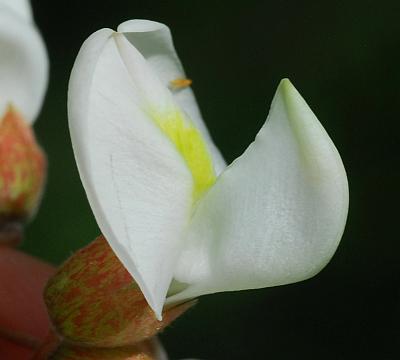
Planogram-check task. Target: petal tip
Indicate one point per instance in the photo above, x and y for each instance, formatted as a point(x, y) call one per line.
point(157, 311)
point(140, 25)
point(286, 89)
point(155, 304)
point(296, 108)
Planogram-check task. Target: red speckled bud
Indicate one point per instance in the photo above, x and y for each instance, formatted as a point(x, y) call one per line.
point(22, 169)
point(93, 301)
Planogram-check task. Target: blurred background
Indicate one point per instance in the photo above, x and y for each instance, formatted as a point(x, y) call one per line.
point(344, 57)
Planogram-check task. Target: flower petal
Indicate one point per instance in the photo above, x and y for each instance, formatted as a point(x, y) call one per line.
point(154, 42)
point(23, 65)
point(137, 183)
point(20, 7)
point(276, 215)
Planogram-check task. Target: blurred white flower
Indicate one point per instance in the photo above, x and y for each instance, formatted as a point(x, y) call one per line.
point(181, 222)
point(23, 60)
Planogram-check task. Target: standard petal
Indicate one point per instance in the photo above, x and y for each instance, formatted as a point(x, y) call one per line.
point(154, 42)
point(137, 183)
point(276, 215)
point(20, 7)
point(23, 65)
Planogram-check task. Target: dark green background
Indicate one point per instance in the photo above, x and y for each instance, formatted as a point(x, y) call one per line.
point(344, 58)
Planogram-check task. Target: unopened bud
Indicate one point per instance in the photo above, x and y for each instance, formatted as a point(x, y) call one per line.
point(93, 301)
point(22, 169)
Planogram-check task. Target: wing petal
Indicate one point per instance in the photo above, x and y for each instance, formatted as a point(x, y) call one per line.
point(276, 215)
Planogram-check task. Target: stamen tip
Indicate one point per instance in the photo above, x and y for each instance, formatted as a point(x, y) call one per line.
point(180, 83)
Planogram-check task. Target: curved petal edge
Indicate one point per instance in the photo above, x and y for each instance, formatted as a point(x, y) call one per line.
point(276, 214)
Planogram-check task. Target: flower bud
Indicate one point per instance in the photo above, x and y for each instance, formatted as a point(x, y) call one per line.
point(22, 169)
point(93, 301)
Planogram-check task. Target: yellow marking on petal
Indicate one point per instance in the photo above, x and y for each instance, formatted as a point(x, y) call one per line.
point(180, 83)
point(191, 145)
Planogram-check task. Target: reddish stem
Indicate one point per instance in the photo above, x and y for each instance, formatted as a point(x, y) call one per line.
point(48, 347)
point(21, 339)
point(11, 233)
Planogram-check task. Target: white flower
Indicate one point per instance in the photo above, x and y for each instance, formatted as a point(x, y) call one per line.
point(23, 60)
point(181, 223)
